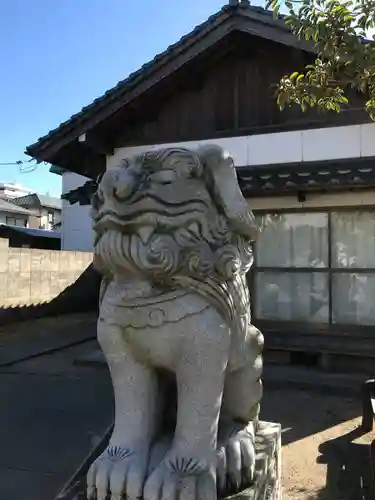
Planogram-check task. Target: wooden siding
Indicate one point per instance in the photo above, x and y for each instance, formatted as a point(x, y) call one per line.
point(229, 93)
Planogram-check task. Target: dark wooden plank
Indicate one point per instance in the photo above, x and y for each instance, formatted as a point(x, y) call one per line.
point(368, 405)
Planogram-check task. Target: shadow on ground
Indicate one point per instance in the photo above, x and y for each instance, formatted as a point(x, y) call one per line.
point(348, 468)
point(305, 413)
point(348, 474)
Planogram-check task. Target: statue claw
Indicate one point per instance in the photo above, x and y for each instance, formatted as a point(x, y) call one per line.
point(117, 473)
point(179, 478)
point(236, 458)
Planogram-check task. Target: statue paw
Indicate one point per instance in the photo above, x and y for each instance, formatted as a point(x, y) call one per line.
point(118, 472)
point(236, 457)
point(181, 478)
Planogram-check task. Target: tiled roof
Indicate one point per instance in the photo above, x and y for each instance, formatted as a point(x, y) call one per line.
point(8, 207)
point(284, 179)
point(39, 199)
point(241, 9)
point(81, 195)
point(50, 201)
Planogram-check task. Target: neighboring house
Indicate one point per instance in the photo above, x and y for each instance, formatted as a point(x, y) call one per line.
point(76, 225)
point(25, 237)
point(10, 190)
point(310, 178)
point(46, 210)
point(13, 215)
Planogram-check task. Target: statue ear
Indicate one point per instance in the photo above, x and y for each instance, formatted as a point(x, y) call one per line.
point(221, 175)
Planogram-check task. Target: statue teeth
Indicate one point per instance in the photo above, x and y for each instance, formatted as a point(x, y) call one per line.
point(194, 228)
point(145, 233)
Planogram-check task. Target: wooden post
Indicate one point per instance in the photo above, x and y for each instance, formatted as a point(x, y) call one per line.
point(368, 405)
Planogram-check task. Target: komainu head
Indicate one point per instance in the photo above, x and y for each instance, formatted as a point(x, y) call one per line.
point(172, 212)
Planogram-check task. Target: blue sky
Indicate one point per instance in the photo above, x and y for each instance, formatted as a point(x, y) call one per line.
point(58, 56)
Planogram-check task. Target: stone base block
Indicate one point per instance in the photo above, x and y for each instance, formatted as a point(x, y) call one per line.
point(267, 482)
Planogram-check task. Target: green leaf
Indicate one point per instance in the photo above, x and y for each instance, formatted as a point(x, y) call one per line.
point(343, 60)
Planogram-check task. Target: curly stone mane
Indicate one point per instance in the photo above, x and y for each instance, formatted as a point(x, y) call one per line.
point(190, 235)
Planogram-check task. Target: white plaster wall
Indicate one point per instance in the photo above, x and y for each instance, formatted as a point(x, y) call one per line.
point(76, 228)
point(287, 147)
point(353, 141)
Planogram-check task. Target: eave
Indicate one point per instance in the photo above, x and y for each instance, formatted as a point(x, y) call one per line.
point(91, 152)
point(282, 179)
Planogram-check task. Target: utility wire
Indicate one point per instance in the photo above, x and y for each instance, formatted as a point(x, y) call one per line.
point(19, 162)
point(24, 165)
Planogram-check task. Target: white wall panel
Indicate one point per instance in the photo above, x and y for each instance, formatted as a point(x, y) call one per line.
point(76, 227)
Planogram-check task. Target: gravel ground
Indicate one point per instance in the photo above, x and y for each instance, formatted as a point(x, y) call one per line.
point(324, 455)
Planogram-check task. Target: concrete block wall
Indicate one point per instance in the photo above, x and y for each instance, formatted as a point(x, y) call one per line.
point(30, 276)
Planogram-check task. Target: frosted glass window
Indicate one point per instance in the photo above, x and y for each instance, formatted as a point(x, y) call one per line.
point(353, 239)
point(353, 299)
point(293, 240)
point(292, 296)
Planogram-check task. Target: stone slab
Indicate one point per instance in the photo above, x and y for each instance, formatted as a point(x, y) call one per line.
point(267, 483)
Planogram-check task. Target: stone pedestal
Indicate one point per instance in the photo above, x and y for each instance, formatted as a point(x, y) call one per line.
point(267, 484)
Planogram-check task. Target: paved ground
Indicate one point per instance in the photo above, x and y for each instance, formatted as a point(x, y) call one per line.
point(24, 339)
point(52, 412)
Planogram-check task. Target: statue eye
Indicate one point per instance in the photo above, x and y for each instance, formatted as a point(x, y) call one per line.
point(164, 177)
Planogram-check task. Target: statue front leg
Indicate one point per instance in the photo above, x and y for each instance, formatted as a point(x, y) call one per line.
point(239, 415)
point(120, 471)
point(188, 470)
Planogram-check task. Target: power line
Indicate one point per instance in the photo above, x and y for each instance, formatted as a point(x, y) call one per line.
point(19, 162)
point(24, 165)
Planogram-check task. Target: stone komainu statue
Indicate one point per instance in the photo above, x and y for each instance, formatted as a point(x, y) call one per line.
point(173, 241)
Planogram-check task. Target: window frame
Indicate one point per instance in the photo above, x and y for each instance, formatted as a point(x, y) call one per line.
point(15, 220)
point(310, 327)
point(10, 219)
point(51, 217)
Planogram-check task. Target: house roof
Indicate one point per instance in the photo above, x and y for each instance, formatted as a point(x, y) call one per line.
point(39, 199)
point(50, 201)
point(235, 16)
point(38, 233)
point(8, 207)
